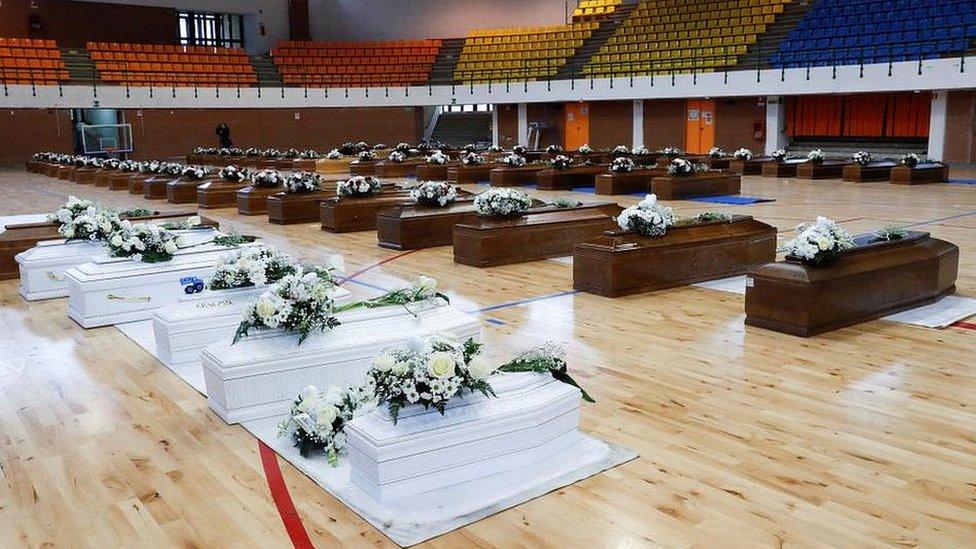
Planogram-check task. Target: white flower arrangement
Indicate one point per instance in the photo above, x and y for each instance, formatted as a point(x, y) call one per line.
point(267, 178)
point(71, 209)
point(317, 420)
point(193, 173)
point(366, 156)
point(911, 160)
point(376, 147)
point(554, 149)
point(742, 154)
point(671, 151)
point(861, 157)
point(358, 186)
point(97, 163)
point(472, 159)
point(83, 161)
point(815, 155)
point(300, 303)
point(334, 154)
point(252, 151)
point(519, 150)
point(890, 232)
point(150, 167)
point(502, 202)
point(303, 182)
point(171, 168)
point(620, 150)
point(397, 156)
point(716, 152)
point(561, 162)
point(205, 150)
point(779, 155)
point(309, 154)
point(622, 164)
point(438, 157)
point(291, 153)
point(512, 160)
point(271, 153)
point(234, 174)
point(640, 150)
point(584, 149)
point(647, 217)
point(679, 167)
point(142, 242)
point(91, 227)
point(129, 166)
point(818, 244)
point(470, 147)
point(403, 147)
point(434, 193)
point(495, 149)
point(252, 267)
point(111, 163)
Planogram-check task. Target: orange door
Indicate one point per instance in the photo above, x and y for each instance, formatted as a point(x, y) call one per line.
point(700, 131)
point(577, 125)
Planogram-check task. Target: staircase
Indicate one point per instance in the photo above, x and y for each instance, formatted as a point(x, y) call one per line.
point(757, 56)
point(266, 71)
point(844, 147)
point(80, 66)
point(461, 128)
point(447, 58)
point(573, 68)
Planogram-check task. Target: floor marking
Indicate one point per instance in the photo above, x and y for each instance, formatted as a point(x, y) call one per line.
point(930, 221)
point(964, 325)
point(282, 499)
point(378, 263)
point(522, 301)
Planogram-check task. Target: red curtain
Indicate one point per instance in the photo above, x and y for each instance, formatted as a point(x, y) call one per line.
point(864, 115)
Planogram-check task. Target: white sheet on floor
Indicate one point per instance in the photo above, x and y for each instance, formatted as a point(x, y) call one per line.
point(16, 219)
point(419, 518)
point(732, 285)
point(944, 312)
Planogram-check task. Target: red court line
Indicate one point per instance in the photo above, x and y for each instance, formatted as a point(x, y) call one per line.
point(282, 498)
point(964, 325)
point(377, 264)
point(272, 471)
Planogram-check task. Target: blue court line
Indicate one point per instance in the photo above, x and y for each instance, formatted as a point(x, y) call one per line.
point(523, 301)
point(496, 322)
point(732, 200)
point(930, 221)
point(962, 181)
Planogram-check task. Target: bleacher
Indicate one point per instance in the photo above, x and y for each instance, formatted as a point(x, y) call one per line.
point(317, 64)
point(27, 60)
point(838, 32)
point(522, 53)
point(594, 9)
point(171, 65)
point(680, 36)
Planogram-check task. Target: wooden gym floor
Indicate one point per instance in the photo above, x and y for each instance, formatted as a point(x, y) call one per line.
point(862, 437)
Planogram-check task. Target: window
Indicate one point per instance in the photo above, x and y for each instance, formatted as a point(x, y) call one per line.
point(211, 29)
point(481, 107)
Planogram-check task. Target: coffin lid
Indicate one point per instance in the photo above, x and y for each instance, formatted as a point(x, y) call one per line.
point(59, 252)
point(679, 235)
point(203, 305)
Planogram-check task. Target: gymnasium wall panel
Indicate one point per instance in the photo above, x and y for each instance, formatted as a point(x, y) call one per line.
point(26, 131)
point(14, 21)
point(735, 123)
point(960, 143)
point(664, 123)
point(507, 124)
point(611, 123)
point(73, 23)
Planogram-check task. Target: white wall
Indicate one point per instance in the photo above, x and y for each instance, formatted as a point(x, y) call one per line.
point(406, 19)
point(273, 13)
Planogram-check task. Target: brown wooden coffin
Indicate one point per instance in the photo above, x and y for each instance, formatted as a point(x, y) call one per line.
point(504, 176)
point(84, 176)
point(920, 174)
point(531, 237)
point(551, 179)
point(667, 187)
point(154, 188)
point(348, 214)
point(828, 169)
point(117, 181)
point(286, 208)
point(285, 164)
point(201, 159)
point(136, 180)
point(877, 171)
point(332, 167)
point(48, 169)
point(753, 166)
point(219, 193)
point(719, 163)
point(782, 169)
point(360, 167)
point(872, 280)
point(183, 191)
point(253, 200)
point(624, 263)
point(65, 172)
point(21, 237)
point(462, 174)
point(32, 166)
point(591, 157)
point(432, 172)
point(635, 181)
point(101, 178)
point(386, 168)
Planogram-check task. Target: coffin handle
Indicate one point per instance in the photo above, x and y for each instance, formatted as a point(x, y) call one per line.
point(136, 299)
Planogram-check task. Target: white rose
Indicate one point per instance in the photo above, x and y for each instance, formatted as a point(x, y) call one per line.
point(264, 308)
point(170, 247)
point(426, 284)
point(480, 368)
point(307, 398)
point(440, 364)
point(384, 362)
point(326, 413)
point(195, 220)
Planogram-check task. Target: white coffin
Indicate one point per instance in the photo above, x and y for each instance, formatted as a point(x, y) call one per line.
point(260, 376)
point(111, 290)
point(533, 418)
point(184, 328)
point(42, 267)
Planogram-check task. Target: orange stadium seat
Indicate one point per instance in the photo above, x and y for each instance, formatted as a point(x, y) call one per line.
point(323, 64)
point(30, 60)
point(171, 65)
